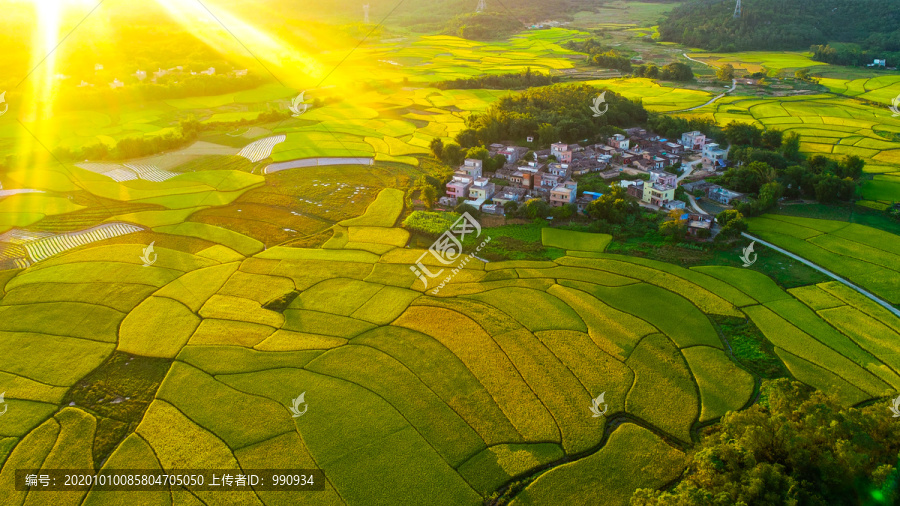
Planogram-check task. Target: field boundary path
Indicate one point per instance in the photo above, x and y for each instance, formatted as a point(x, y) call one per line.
point(828, 273)
point(712, 100)
point(317, 162)
point(717, 97)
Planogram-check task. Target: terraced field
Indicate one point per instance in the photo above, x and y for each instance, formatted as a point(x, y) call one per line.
point(483, 383)
point(280, 267)
point(866, 256)
point(855, 119)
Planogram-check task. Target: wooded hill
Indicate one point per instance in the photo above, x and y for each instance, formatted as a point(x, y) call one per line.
point(784, 24)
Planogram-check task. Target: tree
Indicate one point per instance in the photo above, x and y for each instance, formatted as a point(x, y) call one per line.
point(796, 446)
point(765, 171)
point(830, 188)
point(772, 139)
point(467, 208)
point(652, 71)
point(614, 207)
point(819, 164)
point(732, 224)
point(790, 146)
point(510, 207)
point(676, 71)
point(851, 167)
point(742, 134)
point(742, 179)
point(428, 194)
point(674, 226)
point(802, 74)
point(548, 134)
point(453, 154)
point(497, 162)
point(563, 212)
point(798, 181)
point(725, 72)
point(480, 153)
point(467, 138)
point(769, 194)
point(437, 147)
point(535, 208)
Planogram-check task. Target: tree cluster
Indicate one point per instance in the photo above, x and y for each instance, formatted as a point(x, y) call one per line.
point(483, 26)
point(557, 112)
point(855, 56)
point(672, 126)
point(796, 446)
point(515, 81)
point(600, 56)
point(675, 71)
point(769, 165)
point(168, 87)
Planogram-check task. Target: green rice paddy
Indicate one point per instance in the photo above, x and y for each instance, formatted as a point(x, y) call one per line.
point(444, 390)
point(483, 383)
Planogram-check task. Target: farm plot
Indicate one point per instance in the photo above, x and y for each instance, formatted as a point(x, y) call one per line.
point(831, 125)
point(476, 387)
point(865, 256)
point(261, 149)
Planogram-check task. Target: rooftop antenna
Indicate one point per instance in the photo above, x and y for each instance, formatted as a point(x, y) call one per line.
point(366, 13)
point(737, 10)
point(480, 7)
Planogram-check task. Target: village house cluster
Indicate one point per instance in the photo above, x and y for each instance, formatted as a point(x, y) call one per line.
point(141, 75)
point(550, 174)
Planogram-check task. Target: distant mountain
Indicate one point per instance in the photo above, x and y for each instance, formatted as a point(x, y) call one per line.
point(414, 12)
point(784, 24)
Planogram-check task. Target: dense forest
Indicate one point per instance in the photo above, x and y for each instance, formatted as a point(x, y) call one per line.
point(784, 24)
point(561, 112)
point(513, 81)
point(483, 26)
point(558, 112)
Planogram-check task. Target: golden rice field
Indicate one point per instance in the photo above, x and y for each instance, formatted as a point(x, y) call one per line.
point(488, 380)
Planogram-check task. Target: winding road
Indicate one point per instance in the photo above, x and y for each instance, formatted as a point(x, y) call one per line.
point(828, 273)
point(717, 97)
point(804, 261)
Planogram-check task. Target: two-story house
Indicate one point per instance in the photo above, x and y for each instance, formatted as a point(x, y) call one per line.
point(672, 148)
point(482, 190)
point(653, 162)
point(472, 167)
point(564, 193)
point(714, 156)
point(513, 153)
point(509, 195)
point(658, 176)
point(693, 140)
point(459, 186)
point(658, 194)
point(561, 151)
point(619, 142)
